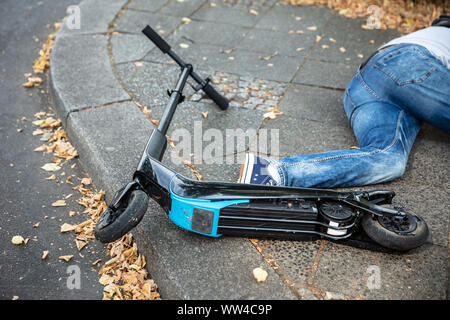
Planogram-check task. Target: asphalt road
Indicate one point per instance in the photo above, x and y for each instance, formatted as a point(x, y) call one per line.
point(25, 195)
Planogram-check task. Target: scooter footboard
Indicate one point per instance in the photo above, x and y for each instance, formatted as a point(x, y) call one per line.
point(298, 219)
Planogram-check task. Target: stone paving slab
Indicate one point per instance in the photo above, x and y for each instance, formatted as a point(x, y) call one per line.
point(293, 259)
point(325, 74)
point(132, 21)
point(219, 34)
point(359, 44)
point(281, 43)
point(419, 274)
point(147, 83)
point(235, 14)
point(181, 8)
point(78, 62)
point(316, 104)
point(285, 18)
point(93, 20)
point(429, 160)
point(130, 47)
point(236, 61)
point(143, 5)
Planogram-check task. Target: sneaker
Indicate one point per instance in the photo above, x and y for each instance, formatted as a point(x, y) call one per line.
point(257, 170)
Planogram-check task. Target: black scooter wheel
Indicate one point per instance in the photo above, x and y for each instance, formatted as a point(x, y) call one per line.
point(114, 224)
point(400, 235)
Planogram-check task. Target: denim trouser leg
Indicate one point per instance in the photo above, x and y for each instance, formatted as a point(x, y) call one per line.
point(383, 109)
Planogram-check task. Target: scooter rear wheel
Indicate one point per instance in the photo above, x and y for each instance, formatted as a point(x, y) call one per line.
point(114, 224)
point(398, 234)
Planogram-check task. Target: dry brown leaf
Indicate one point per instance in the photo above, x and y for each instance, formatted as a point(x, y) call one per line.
point(59, 203)
point(45, 254)
point(51, 167)
point(80, 244)
point(66, 227)
point(404, 15)
point(66, 258)
point(86, 181)
point(260, 274)
point(17, 240)
point(41, 148)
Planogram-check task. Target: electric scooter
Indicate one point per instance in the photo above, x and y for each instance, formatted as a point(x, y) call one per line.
point(359, 218)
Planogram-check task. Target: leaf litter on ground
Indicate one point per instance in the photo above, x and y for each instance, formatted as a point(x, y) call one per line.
point(404, 15)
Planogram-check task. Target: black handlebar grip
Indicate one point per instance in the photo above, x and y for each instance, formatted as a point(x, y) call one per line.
point(216, 96)
point(156, 39)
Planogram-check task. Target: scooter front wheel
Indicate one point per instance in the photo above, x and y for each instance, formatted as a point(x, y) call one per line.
point(113, 224)
point(395, 232)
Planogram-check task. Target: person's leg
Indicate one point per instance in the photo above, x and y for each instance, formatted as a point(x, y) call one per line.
point(411, 77)
point(385, 134)
point(383, 103)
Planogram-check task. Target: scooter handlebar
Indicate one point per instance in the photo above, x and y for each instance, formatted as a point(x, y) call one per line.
point(156, 39)
point(220, 100)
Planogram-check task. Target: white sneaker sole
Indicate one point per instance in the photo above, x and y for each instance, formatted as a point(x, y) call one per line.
point(247, 168)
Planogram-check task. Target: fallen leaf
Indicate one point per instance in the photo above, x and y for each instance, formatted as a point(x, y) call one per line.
point(36, 225)
point(96, 261)
point(312, 28)
point(205, 114)
point(52, 177)
point(186, 20)
point(38, 132)
point(41, 148)
point(17, 240)
point(342, 49)
point(86, 181)
point(66, 227)
point(80, 244)
point(253, 12)
point(106, 279)
point(318, 38)
point(66, 258)
point(38, 122)
point(269, 115)
point(59, 203)
point(184, 45)
point(271, 56)
point(51, 167)
point(260, 274)
point(44, 254)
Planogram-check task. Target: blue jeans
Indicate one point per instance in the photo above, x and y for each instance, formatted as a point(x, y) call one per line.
point(385, 103)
